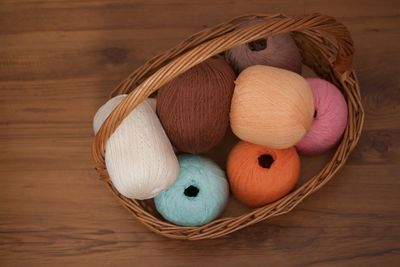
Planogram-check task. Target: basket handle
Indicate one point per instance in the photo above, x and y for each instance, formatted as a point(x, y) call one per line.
point(207, 44)
point(344, 42)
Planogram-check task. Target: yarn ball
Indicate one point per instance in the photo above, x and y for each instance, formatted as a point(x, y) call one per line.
point(271, 107)
point(194, 107)
point(277, 51)
point(330, 118)
point(153, 103)
point(259, 175)
point(139, 158)
point(104, 111)
point(198, 195)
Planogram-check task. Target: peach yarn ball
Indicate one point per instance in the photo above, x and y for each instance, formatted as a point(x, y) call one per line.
point(271, 107)
point(259, 175)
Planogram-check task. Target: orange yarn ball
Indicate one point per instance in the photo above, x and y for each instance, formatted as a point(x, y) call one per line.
point(271, 107)
point(259, 175)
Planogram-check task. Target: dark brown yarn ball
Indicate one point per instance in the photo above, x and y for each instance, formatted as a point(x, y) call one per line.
point(194, 107)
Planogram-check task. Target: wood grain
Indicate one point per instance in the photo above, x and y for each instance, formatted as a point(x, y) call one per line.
point(59, 60)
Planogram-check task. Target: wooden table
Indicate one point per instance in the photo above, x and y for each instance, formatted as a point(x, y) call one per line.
point(59, 60)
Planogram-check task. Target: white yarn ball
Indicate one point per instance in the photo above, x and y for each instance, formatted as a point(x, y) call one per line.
point(139, 157)
point(105, 110)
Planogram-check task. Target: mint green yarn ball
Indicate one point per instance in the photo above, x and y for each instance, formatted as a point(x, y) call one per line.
point(198, 195)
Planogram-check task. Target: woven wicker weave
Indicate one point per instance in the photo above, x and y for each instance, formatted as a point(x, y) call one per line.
point(326, 47)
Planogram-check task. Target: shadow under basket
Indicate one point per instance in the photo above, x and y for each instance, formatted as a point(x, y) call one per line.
point(326, 47)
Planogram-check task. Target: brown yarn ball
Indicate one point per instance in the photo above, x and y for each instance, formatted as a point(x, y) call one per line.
point(194, 107)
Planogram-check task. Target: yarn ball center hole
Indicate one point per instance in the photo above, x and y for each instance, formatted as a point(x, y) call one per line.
point(257, 45)
point(315, 113)
point(191, 191)
point(265, 161)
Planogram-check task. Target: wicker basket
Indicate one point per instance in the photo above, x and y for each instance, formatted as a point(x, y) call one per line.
point(326, 47)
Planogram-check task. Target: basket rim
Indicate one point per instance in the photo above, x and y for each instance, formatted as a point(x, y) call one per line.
point(208, 43)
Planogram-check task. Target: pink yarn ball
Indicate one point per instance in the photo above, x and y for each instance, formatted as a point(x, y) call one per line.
point(152, 102)
point(330, 118)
